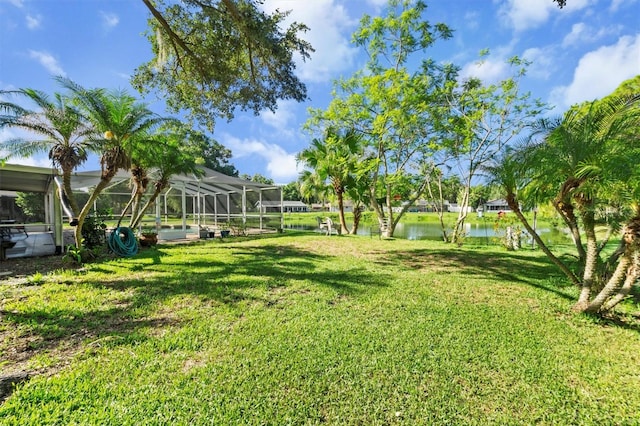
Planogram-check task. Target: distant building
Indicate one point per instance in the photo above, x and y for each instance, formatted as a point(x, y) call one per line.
point(424, 206)
point(347, 206)
point(455, 208)
point(495, 206)
point(318, 207)
point(287, 207)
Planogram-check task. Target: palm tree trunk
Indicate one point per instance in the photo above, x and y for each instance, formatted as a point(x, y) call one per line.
point(66, 183)
point(625, 274)
point(515, 207)
point(591, 260)
point(343, 224)
point(104, 182)
point(150, 201)
point(124, 211)
point(632, 275)
point(565, 209)
point(135, 210)
point(614, 284)
point(357, 215)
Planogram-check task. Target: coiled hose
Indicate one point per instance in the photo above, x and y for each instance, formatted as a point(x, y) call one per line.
point(123, 242)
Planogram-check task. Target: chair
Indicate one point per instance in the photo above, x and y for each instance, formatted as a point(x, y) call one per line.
point(326, 224)
point(382, 228)
point(10, 234)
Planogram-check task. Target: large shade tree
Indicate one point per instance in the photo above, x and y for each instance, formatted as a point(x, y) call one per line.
point(477, 121)
point(213, 56)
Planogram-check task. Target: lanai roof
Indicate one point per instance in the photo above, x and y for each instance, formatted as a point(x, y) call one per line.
point(15, 177)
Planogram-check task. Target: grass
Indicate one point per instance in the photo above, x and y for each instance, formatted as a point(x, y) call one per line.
point(306, 329)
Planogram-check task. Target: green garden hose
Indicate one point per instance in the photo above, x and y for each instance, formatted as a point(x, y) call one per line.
point(123, 242)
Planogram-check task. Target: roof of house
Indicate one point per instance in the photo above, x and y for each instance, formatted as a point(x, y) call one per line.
point(285, 203)
point(500, 202)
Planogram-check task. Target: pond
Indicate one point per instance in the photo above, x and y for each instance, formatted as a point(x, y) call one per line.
point(478, 233)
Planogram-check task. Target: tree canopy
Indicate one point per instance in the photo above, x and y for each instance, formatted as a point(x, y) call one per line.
point(213, 56)
point(388, 104)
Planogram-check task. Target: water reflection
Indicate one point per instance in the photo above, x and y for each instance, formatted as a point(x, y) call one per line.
point(479, 232)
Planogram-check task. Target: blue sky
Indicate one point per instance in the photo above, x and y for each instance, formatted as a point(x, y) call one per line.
point(581, 52)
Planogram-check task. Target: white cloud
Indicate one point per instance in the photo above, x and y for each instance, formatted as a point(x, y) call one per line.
point(33, 22)
point(38, 160)
point(615, 4)
point(280, 164)
point(329, 33)
point(582, 34)
point(47, 61)
point(109, 20)
point(489, 71)
point(577, 31)
point(17, 3)
point(472, 20)
point(123, 75)
point(599, 72)
point(378, 3)
point(541, 62)
point(282, 117)
point(525, 14)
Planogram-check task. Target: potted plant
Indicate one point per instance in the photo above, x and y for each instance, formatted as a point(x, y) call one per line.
point(148, 237)
point(224, 229)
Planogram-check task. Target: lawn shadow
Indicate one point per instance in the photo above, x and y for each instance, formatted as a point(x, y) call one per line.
point(508, 266)
point(534, 271)
point(254, 275)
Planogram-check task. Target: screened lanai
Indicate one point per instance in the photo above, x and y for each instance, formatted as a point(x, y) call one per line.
point(207, 202)
point(22, 239)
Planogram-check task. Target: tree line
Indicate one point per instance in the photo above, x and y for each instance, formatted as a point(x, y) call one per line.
point(396, 130)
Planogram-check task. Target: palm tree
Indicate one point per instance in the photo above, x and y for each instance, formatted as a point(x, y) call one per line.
point(312, 187)
point(58, 127)
point(579, 160)
point(172, 155)
point(512, 172)
point(120, 122)
point(583, 156)
point(333, 158)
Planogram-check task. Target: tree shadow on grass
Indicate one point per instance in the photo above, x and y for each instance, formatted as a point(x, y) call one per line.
point(252, 276)
point(508, 267)
point(253, 268)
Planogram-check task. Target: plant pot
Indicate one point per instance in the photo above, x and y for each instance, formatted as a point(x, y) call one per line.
point(148, 240)
point(224, 234)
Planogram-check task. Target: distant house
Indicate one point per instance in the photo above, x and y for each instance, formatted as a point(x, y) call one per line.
point(318, 207)
point(347, 206)
point(455, 208)
point(495, 206)
point(287, 207)
point(424, 206)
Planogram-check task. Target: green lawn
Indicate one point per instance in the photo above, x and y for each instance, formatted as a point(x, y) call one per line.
point(308, 329)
